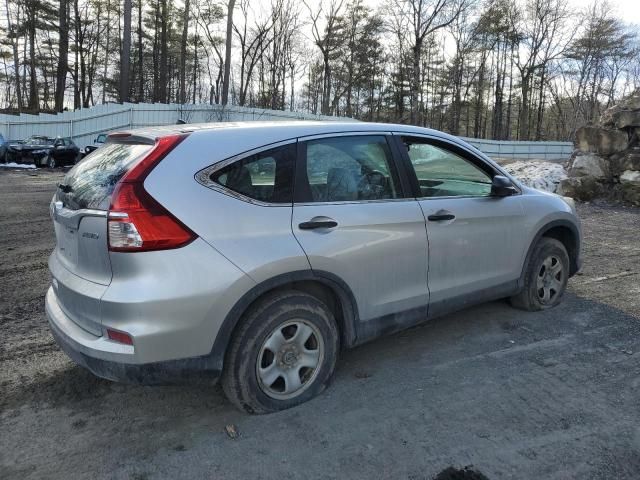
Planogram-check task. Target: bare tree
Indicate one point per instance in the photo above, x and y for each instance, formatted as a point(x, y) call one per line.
point(227, 52)
point(125, 52)
point(328, 39)
point(427, 17)
point(183, 51)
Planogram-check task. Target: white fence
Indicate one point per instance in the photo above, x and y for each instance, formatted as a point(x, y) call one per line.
point(523, 150)
point(85, 124)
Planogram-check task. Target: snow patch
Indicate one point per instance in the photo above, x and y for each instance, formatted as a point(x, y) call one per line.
point(538, 174)
point(16, 165)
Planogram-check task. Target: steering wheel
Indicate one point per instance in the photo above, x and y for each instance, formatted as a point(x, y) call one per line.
point(371, 185)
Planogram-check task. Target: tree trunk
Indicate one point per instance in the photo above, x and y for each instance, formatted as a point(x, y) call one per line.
point(415, 82)
point(183, 53)
point(227, 53)
point(164, 47)
point(140, 55)
point(524, 109)
point(63, 56)
point(326, 85)
point(541, 104)
point(105, 67)
point(125, 53)
point(16, 58)
point(34, 101)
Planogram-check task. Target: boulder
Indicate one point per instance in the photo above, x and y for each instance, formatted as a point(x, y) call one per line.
point(599, 140)
point(630, 160)
point(588, 165)
point(626, 119)
point(581, 188)
point(630, 177)
point(612, 115)
point(630, 186)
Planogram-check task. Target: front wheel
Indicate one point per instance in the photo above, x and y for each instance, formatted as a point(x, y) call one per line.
point(51, 162)
point(283, 353)
point(545, 278)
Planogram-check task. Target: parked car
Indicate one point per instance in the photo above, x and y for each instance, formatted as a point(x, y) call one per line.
point(4, 145)
point(97, 143)
point(44, 151)
point(256, 251)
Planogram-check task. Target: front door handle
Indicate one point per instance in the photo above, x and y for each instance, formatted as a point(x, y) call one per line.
point(318, 223)
point(440, 216)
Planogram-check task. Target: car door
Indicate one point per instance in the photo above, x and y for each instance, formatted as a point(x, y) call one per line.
point(354, 222)
point(474, 241)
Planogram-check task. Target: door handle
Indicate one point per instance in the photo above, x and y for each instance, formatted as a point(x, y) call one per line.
point(313, 224)
point(441, 216)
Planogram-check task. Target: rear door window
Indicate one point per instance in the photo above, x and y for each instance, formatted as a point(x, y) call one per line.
point(349, 168)
point(90, 183)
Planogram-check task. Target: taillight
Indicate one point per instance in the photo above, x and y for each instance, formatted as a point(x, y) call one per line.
point(137, 222)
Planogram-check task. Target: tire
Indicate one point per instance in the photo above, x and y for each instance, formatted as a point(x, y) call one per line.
point(546, 276)
point(270, 385)
point(51, 161)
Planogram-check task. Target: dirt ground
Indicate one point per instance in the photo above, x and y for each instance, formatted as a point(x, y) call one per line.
point(550, 395)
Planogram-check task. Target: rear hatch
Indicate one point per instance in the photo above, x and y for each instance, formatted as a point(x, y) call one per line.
point(79, 210)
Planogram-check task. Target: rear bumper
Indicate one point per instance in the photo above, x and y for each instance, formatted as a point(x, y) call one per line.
point(112, 361)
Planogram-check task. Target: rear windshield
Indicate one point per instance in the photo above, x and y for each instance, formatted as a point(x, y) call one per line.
point(91, 182)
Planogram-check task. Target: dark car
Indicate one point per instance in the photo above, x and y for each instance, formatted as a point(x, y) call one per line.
point(3, 149)
point(44, 151)
point(97, 143)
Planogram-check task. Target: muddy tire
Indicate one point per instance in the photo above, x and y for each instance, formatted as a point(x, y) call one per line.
point(546, 276)
point(282, 353)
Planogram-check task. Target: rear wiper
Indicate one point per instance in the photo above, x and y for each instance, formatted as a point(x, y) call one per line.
point(65, 188)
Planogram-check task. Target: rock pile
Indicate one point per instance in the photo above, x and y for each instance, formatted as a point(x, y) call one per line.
point(606, 159)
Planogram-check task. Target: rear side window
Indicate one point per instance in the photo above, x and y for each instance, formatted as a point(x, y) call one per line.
point(90, 183)
point(266, 176)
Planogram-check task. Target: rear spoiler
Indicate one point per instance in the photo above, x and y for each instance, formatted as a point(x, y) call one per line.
point(126, 137)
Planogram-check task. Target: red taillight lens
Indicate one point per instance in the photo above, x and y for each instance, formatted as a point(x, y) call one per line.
point(119, 337)
point(137, 222)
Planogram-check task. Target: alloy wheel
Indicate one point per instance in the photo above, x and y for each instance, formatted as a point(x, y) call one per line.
point(550, 280)
point(289, 359)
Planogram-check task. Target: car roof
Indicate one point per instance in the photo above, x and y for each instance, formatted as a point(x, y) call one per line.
point(288, 129)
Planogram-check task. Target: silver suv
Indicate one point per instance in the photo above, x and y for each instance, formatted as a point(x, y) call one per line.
point(256, 251)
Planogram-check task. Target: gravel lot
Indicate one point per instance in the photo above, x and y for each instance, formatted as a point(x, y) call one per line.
point(549, 395)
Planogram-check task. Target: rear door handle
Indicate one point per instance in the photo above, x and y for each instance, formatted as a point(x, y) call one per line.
point(313, 224)
point(437, 217)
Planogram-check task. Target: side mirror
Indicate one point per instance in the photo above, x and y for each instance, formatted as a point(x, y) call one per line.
point(501, 186)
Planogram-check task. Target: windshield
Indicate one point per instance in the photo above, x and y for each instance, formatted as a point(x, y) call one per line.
point(39, 141)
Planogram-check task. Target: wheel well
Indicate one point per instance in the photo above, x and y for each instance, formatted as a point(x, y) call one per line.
point(568, 238)
point(335, 300)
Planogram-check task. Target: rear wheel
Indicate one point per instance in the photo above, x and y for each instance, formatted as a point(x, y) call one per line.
point(283, 353)
point(546, 277)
